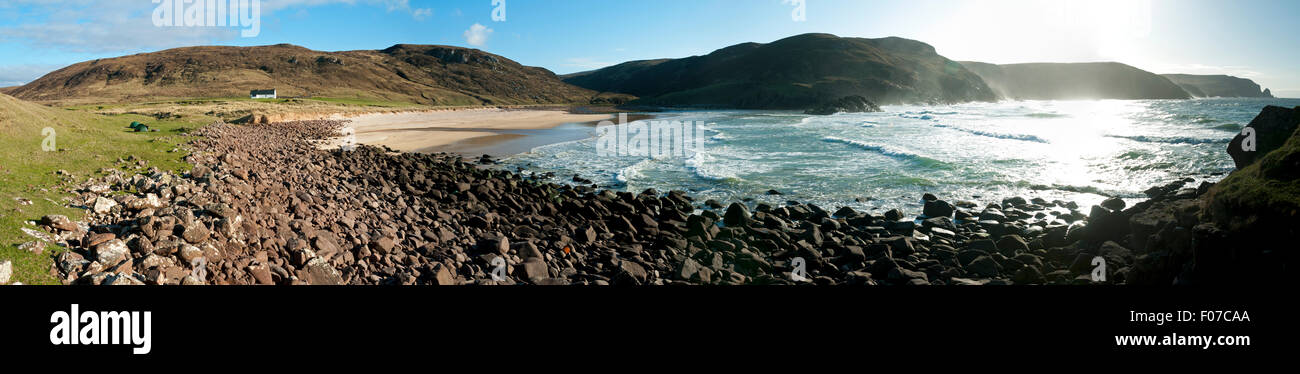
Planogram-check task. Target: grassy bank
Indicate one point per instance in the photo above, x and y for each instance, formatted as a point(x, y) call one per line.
point(30, 177)
point(89, 138)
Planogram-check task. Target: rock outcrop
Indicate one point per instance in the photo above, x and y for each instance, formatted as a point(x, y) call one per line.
point(847, 104)
point(1270, 129)
point(1218, 85)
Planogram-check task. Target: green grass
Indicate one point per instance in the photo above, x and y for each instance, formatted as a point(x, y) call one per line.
point(86, 143)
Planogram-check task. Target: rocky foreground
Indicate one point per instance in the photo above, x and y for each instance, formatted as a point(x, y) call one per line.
point(263, 205)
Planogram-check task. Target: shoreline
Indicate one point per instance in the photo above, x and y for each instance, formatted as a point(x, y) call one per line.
point(496, 132)
point(455, 219)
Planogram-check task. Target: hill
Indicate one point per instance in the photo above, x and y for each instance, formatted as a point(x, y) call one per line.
point(422, 74)
point(1218, 85)
point(794, 73)
point(1065, 81)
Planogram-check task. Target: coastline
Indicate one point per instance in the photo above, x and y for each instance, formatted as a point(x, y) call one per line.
point(494, 131)
point(497, 132)
point(459, 220)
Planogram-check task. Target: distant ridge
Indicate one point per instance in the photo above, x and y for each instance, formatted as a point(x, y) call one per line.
point(1218, 86)
point(423, 74)
point(1064, 81)
point(797, 72)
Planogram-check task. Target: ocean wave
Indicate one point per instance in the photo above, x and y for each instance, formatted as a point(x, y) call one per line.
point(632, 171)
point(890, 151)
point(1021, 137)
point(704, 166)
point(1168, 139)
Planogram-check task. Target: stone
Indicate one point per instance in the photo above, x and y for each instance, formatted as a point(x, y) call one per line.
point(99, 238)
point(195, 232)
point(737, 215)
point(534, 269)
point(938, 208)
point(1272, 127)
point(103, 205)
point(630, 273)
point(112, 252)
point(34, 247)
point(383, 245)
point(1114, 203)
point(59, 222)
point(6, 271)
point(1028, 275)
point(261, 274)
point(320, 272)
point(1010, 245)
point(983, 266)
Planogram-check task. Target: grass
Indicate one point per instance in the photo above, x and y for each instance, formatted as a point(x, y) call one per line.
point(86, 143)
point(92, 137)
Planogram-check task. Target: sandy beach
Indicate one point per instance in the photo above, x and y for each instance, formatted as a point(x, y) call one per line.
point(473, 131)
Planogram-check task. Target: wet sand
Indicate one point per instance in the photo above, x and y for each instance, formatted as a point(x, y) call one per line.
point(496, 132)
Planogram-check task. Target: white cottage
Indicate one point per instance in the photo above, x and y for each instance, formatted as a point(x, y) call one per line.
point(262, 94)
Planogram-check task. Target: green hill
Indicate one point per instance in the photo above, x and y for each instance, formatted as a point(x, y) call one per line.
point(1067, 81)
point(794, 73)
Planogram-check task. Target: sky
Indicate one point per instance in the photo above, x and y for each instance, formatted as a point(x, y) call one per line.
point(1253, 39)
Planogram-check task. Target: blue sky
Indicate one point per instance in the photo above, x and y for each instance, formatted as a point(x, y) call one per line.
point(1254, 38)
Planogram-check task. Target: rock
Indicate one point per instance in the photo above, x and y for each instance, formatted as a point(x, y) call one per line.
point(1272, 127)
point(1114, 203)
point(320, 272)
point(99, 238)
point(112, 252)
point(1010, 245)
point(737, 215)
point(384, 245)
point(59, 222)
point(6, 271)
point(103, 205)
point(325, 246)
point(983, 266)
point(444, 275)
point(630, 273)
point(189, 253)
point(261, 274)
point(938, 208)
point(34, 247)
point(195, 232)
point(1028, 275)
point(534, 269)
point(893, 215)
point(846, 104)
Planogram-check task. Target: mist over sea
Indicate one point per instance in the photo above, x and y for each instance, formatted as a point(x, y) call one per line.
point(1080, 151)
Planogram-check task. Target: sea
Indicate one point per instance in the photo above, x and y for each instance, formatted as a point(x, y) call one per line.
point(1080, 151)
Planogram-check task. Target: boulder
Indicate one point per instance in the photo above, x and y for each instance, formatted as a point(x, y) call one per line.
point(1272, 127)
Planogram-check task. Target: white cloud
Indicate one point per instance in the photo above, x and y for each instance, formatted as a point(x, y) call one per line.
point(477, 35)
point(17, 75)
point(422, 14)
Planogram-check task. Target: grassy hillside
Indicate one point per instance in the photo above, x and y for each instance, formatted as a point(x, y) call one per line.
point(1217, 85)
point(419, 74)
point(794, 73)
point(85, 143)
point(1067, 81)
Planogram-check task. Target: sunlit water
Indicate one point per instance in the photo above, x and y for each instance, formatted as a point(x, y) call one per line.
point(1080, 151)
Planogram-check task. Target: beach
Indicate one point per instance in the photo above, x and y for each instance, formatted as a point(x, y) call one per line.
point(473, 131)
